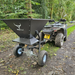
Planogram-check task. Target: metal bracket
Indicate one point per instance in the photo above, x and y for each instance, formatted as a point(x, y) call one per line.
point(29, 53)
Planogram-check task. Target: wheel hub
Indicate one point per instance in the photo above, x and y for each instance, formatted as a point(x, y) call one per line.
point(44, 58)
point(19, 51)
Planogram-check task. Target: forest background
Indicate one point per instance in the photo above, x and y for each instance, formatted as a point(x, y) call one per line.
point(46, 9)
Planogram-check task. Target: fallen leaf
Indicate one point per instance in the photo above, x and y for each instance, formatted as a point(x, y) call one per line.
point(2, 61)
point(4, 67)
point(10, 66)
point(63, 59)
point(14, 72)
point(17, 72)
point(55, 54)
point(66, 56)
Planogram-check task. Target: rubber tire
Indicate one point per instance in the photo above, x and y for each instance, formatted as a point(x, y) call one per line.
point(16, 51)
point(59, 40)
point(40, 58)
point(65, 39)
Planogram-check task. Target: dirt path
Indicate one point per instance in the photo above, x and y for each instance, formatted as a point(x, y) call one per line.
point(64, 62)
point(61, 64)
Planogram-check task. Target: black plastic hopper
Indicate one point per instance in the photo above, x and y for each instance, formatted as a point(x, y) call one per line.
point(25, 29)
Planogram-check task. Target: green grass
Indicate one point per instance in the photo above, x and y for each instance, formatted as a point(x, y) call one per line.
point(6, 37)
point(69, 30)
point(50, 48)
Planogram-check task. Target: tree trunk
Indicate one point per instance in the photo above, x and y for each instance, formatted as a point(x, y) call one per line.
point(51, 12)
point(29, 8)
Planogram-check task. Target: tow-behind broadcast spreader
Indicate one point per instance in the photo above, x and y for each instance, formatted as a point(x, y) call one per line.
point(28, 31)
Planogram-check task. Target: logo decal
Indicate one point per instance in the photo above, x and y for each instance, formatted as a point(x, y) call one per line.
point(19, 27)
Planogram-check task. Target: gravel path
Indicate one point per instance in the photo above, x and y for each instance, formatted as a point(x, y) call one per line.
point(61, 64)
point(64, 62)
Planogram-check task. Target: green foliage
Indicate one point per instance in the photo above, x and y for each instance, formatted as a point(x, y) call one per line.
point(46, 9)
point(35, 3)
point(34, 15)
point(3, 25)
